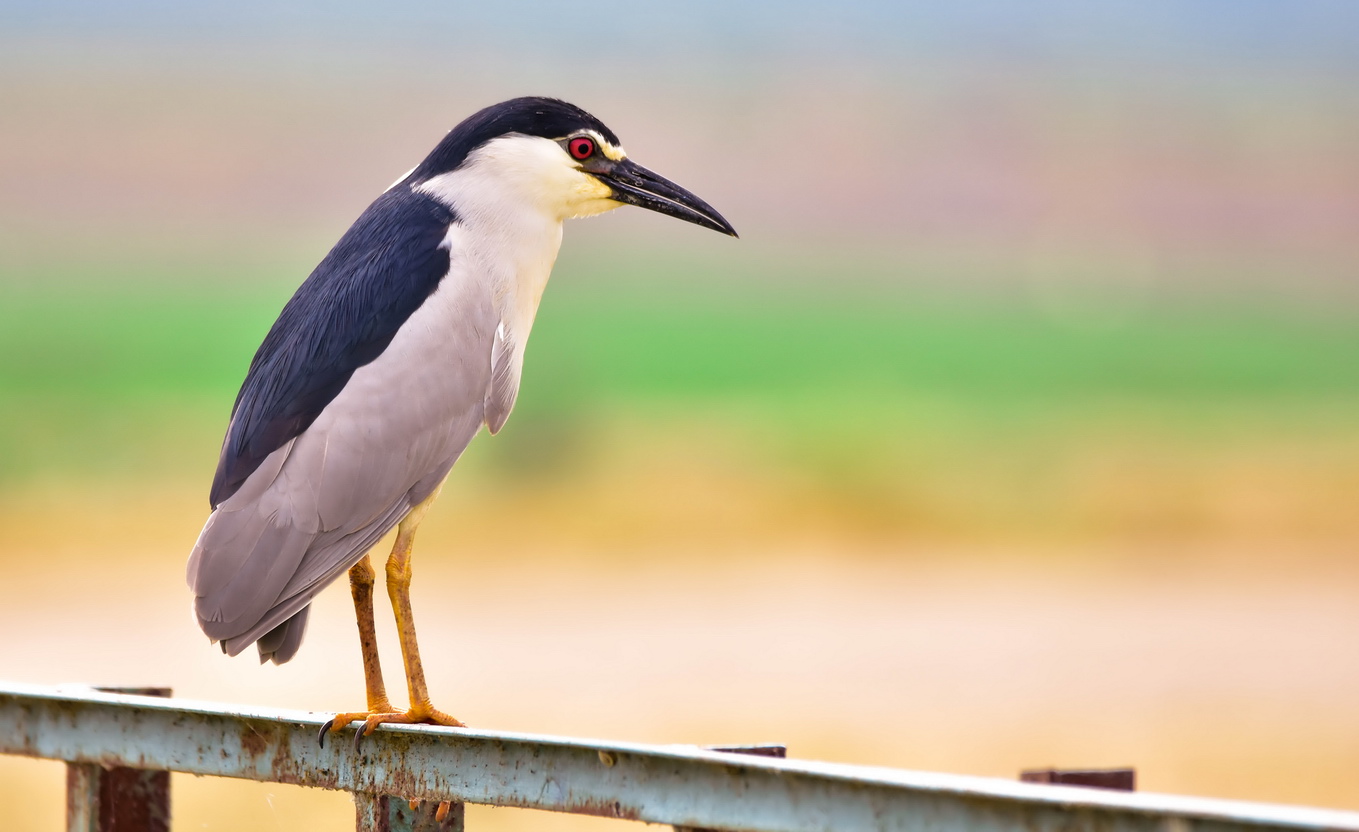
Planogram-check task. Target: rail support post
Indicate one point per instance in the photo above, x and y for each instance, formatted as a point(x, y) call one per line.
point(118, 799)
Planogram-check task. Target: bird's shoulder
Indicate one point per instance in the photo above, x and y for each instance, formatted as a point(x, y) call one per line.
point(342, 317)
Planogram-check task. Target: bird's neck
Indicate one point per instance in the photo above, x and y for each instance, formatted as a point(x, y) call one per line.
point(509, 250)
point(522, 262)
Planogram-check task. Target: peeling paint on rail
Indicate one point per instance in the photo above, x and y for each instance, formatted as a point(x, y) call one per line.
point(677, 785)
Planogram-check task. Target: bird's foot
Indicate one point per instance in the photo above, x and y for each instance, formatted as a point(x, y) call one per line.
point(421, 714)
point(339, 722)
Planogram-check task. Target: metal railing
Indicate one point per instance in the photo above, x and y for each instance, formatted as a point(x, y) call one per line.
point(100, 734)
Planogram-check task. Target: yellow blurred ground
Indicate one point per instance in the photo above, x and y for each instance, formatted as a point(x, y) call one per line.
point(1214, 666)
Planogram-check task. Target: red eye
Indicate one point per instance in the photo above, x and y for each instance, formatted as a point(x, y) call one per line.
point(582, 148)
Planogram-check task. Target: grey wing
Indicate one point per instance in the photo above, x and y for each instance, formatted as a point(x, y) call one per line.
point(316, 505)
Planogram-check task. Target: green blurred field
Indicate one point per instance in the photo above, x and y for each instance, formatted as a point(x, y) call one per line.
point(889, 401)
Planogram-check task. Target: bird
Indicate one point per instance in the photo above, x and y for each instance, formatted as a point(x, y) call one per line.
point(403, 343)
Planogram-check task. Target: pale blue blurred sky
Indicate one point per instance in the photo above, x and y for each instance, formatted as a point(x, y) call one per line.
point(1306, 33)
point(1178, 141)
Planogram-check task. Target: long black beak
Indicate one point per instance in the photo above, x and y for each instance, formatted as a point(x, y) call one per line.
point(636, 185)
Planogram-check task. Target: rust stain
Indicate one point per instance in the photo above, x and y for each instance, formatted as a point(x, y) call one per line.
point(604, 809)
point(587, 806)
point(253, 743)
point(283, 751)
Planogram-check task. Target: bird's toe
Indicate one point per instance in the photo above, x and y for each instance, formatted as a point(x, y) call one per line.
point(339, 722)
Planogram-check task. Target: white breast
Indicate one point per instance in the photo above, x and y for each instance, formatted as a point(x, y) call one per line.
point(511, 197)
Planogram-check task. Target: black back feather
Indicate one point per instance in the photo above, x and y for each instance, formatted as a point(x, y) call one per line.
point(341, 318)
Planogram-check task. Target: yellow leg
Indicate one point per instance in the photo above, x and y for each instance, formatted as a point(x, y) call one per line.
point(398, 588)
point(361, 580)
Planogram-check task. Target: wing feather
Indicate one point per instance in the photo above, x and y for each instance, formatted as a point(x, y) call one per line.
point(314, 506)
point(341, 318)
point(506, 363)
point(280, 644)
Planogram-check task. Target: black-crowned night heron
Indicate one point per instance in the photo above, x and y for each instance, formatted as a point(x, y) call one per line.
point(405, 340)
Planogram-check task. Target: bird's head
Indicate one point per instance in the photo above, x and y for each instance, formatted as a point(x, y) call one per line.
point(550, 156)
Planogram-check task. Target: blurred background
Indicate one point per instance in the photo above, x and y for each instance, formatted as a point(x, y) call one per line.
point(1020, 428)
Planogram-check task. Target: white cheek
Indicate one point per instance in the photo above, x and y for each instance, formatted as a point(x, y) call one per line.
point(586, 196)
point(591, 207)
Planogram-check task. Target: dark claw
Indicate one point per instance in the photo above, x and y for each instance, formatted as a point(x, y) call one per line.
point(325, 729)
point(358, 737)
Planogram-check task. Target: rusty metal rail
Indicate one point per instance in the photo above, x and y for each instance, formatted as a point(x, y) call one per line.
point(678, 785)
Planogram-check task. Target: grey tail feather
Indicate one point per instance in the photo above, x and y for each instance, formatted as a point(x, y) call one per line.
point(281, 643)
